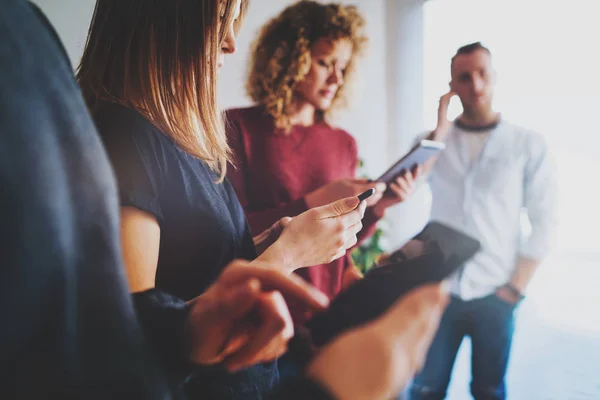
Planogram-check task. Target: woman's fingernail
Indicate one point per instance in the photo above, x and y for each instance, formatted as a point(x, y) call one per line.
point(352, 201)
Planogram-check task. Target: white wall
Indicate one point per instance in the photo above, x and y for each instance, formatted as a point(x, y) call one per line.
point(387, 111)
point(71, 19)
point(405, 79)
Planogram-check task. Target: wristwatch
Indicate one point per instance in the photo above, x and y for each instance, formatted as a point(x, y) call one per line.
point(516, 292)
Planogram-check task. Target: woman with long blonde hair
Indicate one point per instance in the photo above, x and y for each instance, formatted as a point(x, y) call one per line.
point(148, 74)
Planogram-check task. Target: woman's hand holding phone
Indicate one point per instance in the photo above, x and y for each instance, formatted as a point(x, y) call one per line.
point(342, 188)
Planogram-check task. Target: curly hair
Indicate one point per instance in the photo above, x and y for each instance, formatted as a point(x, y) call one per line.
point(281, 54)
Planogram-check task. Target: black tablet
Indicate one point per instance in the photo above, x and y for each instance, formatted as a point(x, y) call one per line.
point(456, 246)
point(445, 250)
point(418, 155)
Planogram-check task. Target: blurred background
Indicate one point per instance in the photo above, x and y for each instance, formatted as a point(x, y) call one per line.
point(548, 65)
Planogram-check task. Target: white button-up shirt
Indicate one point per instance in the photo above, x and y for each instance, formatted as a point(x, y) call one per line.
point(484, 196)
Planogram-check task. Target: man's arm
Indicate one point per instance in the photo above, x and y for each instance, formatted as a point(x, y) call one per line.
point(540, 200)
point(441, 130)
point(526, 268)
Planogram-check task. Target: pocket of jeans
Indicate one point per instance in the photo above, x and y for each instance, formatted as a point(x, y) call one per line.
point(502, 302)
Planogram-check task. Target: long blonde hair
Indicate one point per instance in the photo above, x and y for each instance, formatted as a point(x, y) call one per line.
point(160, 58)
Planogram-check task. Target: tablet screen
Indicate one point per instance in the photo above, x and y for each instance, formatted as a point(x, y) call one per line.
point(418, 155)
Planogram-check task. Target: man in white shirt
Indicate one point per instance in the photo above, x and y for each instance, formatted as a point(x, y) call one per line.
point(489, 173)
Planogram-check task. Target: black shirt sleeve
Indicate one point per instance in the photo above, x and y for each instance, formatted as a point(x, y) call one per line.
point(163, 317)
point(135, 153)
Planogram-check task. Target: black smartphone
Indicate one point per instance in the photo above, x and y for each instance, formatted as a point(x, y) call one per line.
point(366, 194)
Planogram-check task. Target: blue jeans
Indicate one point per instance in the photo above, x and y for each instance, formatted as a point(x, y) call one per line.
point(489, 322)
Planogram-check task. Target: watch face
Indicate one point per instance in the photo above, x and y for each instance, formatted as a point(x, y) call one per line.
point(514, 290)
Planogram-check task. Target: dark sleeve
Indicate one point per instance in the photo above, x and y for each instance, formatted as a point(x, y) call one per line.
point(163, 318)
point(34, 232)
point(259, 220)
point(138, 157)
point(300, 389)
point(69, 326)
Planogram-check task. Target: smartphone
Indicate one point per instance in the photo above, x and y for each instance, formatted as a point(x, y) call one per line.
point(366, 194)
